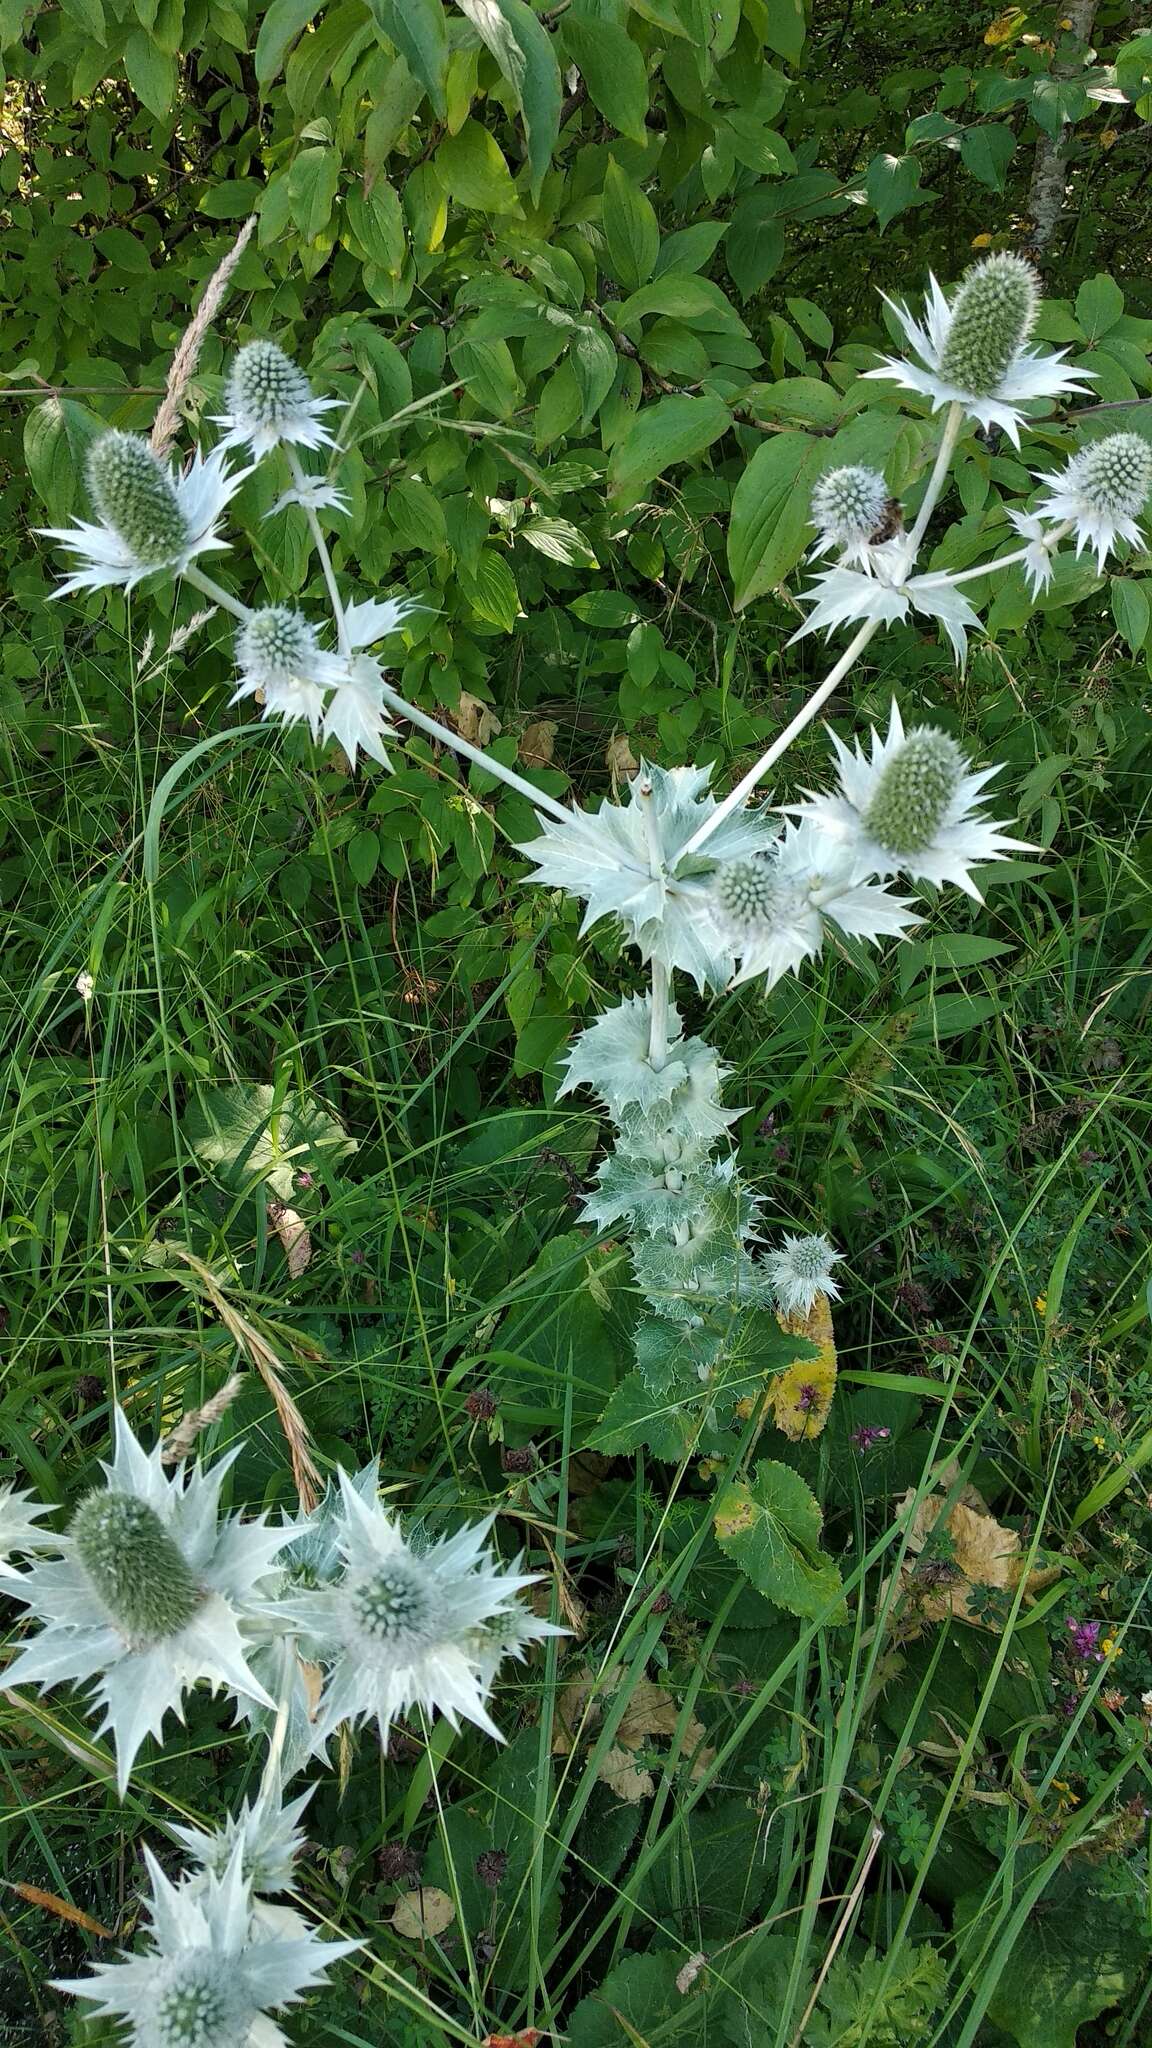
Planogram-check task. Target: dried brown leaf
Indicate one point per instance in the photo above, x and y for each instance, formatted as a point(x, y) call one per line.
point(424, 1913)
point(537, 745)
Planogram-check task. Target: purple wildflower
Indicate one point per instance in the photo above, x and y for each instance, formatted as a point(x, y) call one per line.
point(1085, 1635)
point(869, 1433)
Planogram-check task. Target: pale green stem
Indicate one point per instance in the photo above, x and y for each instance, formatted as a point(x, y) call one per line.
point(661, 976)
point(856, 646)
point(301, 481)
point(214, 590)
point(448, 738)
point(1053, 539)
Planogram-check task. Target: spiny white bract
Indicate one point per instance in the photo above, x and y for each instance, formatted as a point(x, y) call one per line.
point(151, 1595)
point(398, 1632)
point(843, 596)
point(214, 1970)
point(1103, 491)
point(776, 916)
point(909, 809)
point(628, 861)
point(19, 1514)
point(266, 1836)
point(800, 1271)
point(973, 351)
point(848, 507)
point(151, 518)
point(269, 400)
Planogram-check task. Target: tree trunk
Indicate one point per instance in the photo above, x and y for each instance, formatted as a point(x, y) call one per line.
point(1046, 192)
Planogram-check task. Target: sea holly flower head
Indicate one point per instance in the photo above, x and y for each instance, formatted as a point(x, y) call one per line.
point(214, 1971)
point(264, 1834)
point(973, 351)
point(849, 507)
point(19, 1514)
point(510, 1632)
point(1103, 492)
point(776, 912)
point(269, 400)
point(801, 1271)
point(909, 809)
point(629, 861)
point(151, 1594)
point(279, 656)
point(397, 1632)
point(1041, 542)
point(151, 518)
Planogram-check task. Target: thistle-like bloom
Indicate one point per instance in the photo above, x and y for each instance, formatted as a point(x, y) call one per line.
point(399, 1631)
point(213, 1971)
point(315, 494)
point(1103, 491)
point(270, 400)
point(151, 517)
point(265, 1836)
point(149, 1595)
point(973, 351)
point(1042, 541)
point(801, 1271)
point(849, 507)
point(909, 810)
point(628, 861)
point(776, 908)
point(19, 1514)
point(842, 596)
point(280, 658)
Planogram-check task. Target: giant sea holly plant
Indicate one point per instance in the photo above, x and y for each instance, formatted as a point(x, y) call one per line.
point(149, 1593)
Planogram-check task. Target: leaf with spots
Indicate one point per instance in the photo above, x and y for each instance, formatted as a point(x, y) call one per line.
point(771, 1528)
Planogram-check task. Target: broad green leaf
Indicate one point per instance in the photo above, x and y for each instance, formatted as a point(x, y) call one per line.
point(604, 608)
point(613, 69)
point(695, 299)
point(637, 1418)
point(418, 516)
point(769, 528)
point(284, 21)
point(1056, 101)
point(771, 1527)
point(1099, 305)
point(560, 541)
point(419, 30)
point(231, 199)
point(489, 372)
point(671, 431)
point(987, 151)
point(1079, 1952)
point(473, 172)
point(240, 1131)
point(363, 856)
point(593, 358)
point(377, 223)
point(151, 72)
point(312, 182)
point(89, 15)
point(524, 51)
point(638, 2002)
point(57, 437)
point(893, 184)
point(785, 27)
point(1131, 610)
point(491, 590)
point(630, 229)
point(755, 244)
point(396, 103)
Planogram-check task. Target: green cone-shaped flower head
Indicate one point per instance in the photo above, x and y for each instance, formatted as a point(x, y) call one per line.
point(1114, 476)
point(135, 496)
point(276, 646)
point(849, 503)
point(265, 388)
point(993, 314)
point(747, 890)
point(396, 1606)
point(914, 791)
point(143, 1579)
point(197, 2006)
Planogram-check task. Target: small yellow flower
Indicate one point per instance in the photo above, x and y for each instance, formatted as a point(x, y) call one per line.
point(981, 242)
point(1108, 136)
point(1041, 1304)
point(1110, 1646)
point(1098, 1444)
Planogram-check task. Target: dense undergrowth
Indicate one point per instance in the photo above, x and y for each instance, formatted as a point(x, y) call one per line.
point(302, 1124)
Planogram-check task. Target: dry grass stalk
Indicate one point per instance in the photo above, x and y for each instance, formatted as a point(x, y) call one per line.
point(305, 1472)
point(180, 1441)
point(187, 356)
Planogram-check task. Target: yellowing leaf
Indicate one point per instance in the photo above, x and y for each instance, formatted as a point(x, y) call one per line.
point(799, 1400)
point(424, 1913)
point(1005, 27)
point(537, 744)
point(49, 1903)
point(983, 1553)
point(619, 1772)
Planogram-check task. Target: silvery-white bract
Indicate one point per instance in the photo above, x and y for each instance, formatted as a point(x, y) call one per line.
point(214, 1972)
point(628, 861)
point(266, 1836)
point(313, 494)
point(843, 597)
point(776, 909)
point(800, 1271)
point(268, 399)
point(973, 351)
point(612, 1055)
point(19, 1515)
point(152, 518)
point(355, 717)
point(151, 1595)
point(909, 809)
point(280, 659)
point(1102, 493)
point(397, 1632)
point(1041, 543)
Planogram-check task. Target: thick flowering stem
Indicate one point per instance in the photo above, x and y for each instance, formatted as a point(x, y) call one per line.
point(300, 479)
point(217, 593)
point(448, 738)
point(952, 429)
point(661, 978)
point(1055, 535)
